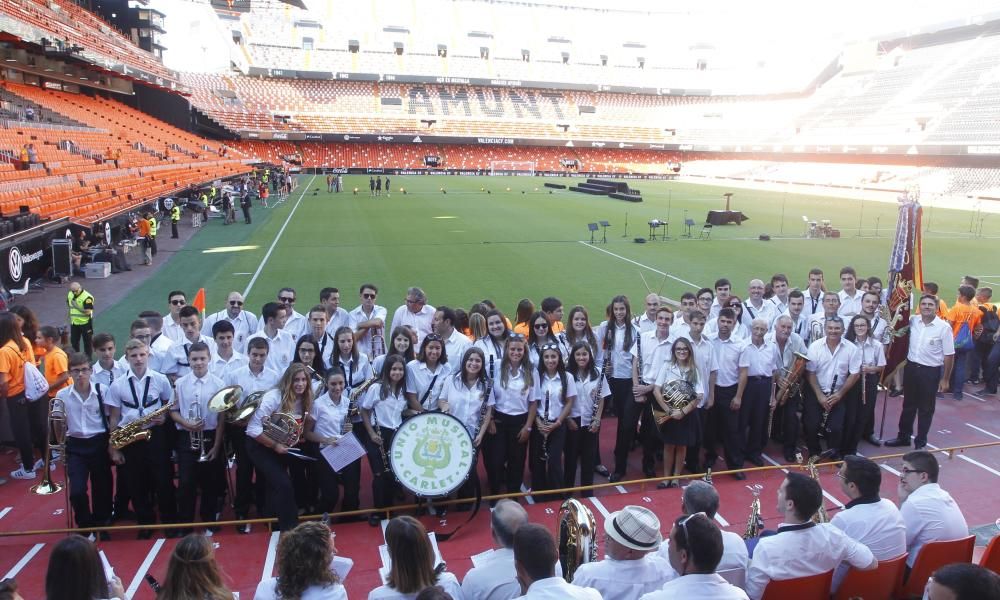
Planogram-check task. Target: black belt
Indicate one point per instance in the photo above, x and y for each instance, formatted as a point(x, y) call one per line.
point(96, 439)
point(920, 366)
point(758, 377)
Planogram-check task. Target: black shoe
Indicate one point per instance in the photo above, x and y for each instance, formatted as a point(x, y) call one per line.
point(897, 443)
point(663, 485)
point(374, 520)
point(789, 456)
point(144, 534)
point(895, 393)
point(615, 477)
point(174, 533)
point(104, 536)
point(649, 473)
point(919, 445)
point(125, 515)
point(740, 476)
point(874, 441)
point(757, 460)
point(601, 470)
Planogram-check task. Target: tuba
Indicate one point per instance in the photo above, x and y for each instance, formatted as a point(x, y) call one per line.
point(577, 539)
point(227, 400)
point(55, 442)
point(754, 522)
point(198, 437)
point(677, 394)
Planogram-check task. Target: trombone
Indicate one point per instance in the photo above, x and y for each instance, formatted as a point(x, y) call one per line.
point(55, 441)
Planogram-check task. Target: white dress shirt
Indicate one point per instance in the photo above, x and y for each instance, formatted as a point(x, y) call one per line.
point(781, 306)
point(621, 357)
point(583, 408)
point(671, 371)
point(162, 343)
point(330, 415)
point(364, 342)
point(871, 353)
point(106, 377)
point(179, 353)
point(326, 347)
point(268, 590)
point(465, 403)
point(702, 587)
point(421, 322)
point(623, 579)
point(190, 390)
point(356, 372)
point(493, 350)
point(727, 360)
point(280, 349)
point(784, 357)
point(876, 523)
point(219, 366)
point(132, 396)
point(548, 394)
point(740, 332)
point(643, 323)
point(655, 352)
point(767, 311)
point(446, 580)
point(809, 551)
point(296, 324)
point(843, 361)
point(161, 362)
point(734, 554)
point(513, 398)
point(760, 361)
point(704, 359)
point(455, 347)
point(388, 411)
point(930, 344)
point(252, 382)
point(83, 411)
point(849, 305)
point(270, 404)
point(495, 580)
point(811, 305)
point(245, 323)
point(931, 515)
point(340, 318)
point(420, 378)
point(172, 330)
point(557, 589)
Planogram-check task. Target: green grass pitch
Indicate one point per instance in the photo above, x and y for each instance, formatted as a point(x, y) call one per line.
point(466, 244)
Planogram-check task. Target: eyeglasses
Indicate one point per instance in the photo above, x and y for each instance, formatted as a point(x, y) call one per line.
point(80, 370)
point(286, 299)
point(235, 303)
point(679, 350)
point(178, 302)
point(541, 325)
point(368, 296)
point(904, 471)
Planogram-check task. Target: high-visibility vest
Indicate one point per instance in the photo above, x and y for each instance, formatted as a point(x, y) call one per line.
point(152, 226)
point(175, 214)
point(76, 314)
point(204, 199)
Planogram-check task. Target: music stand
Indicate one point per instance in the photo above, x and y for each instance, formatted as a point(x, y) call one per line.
point(653, 225)
point(666, 230)
point(605, 225)
point(592, 227)
point(688, 224)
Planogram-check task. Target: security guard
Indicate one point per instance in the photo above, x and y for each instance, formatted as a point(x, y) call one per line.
point(81, 318)
point(152, 232)
point(175, 218)
point(204, 201)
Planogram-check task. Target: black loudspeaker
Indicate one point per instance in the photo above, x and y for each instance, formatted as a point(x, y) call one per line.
point(764, 237)
point(62, 263)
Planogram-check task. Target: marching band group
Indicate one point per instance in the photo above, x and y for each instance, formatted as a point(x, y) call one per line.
point(273, 392)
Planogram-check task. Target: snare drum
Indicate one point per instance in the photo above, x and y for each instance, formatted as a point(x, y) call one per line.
point(432, 454)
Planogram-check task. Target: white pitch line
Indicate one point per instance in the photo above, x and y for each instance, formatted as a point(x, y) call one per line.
point(638, 264)
point(3, 513)
point(24, 561)
point(527, 499)
point(384, 523)
point(621, 489)
point(272, 552)
point(143, 568)
point(971, 461)
point(992, 435)
point(288, 219)
point(721, 521)
point(599, 506)
point(826, 494)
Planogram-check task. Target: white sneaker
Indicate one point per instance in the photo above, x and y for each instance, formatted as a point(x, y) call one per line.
point(38, 465)
point(92, 537)
point(22, 474)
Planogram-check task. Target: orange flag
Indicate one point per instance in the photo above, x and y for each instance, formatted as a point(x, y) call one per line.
point(199, 301)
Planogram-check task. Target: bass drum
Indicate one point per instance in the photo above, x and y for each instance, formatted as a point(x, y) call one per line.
point(432, 454)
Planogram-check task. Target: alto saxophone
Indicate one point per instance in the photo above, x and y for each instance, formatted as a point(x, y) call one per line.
point(754, 522)
point(135, 431)
point(820, 516)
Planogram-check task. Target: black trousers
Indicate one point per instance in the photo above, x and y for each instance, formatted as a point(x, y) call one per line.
point(580, 450)
point(726, 425)
point(152, 244)
point(812, 422)
point(173, 230)
point(28, 423)
point(193, 477)
point(506, 454)
point(868, 408)
point(278, 472)
point(383, 481)
point(122, 495)
point(756, 399)
point(790, 422)
point(692, 459)
point(149, 474)
point(920, 385)
point(857, 416)
point(547, 474)
point(248, 490)
point(629, 414)
point(87, 461)
point(331, 481)
point(86, 334)
point(246, 214)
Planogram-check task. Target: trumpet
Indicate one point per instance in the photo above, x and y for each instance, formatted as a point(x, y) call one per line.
point(195, 413)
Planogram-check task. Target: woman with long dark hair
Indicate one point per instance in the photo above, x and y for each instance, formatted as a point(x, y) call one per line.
point(679, 429)
point(541, 335)
point(413, 567)
point(616, 336)
point(554, 395)
point(467, 397)
point(329, 421)
point(513, 415)
point(25, 424)
point(859, 403)
point(303, 559)
point(492, 342)
point(382, 414)
point(193, 572)
point(355, 365)
point(285, 475)
point(401, 343)
point(579, 329)
point(75, 572)
point(584, 422)
point(307, 353)
point(426, 375)
point(522, 317)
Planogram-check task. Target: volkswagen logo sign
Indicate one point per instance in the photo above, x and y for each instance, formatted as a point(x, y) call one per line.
point(15, 264)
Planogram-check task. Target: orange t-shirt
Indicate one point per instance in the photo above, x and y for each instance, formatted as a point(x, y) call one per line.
point(55, 363)
point(12, 361)
point(964, 313)
point(144, 228)
point(558, 327)
point(522, 328)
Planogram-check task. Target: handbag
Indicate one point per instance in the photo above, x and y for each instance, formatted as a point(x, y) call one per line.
point(35, 385)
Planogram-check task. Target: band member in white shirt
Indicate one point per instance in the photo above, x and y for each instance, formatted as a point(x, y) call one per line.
point(493, 342)
point(814, 293)
point(704, 357)
point(369, 323)
point(347, 357)
point(416, 313)
point(336, 317)
point(585, 419)
point(402, 341)
point(496, 579)
point(382, 414)
point(678, 426)
point(850, 295)
point(649, 353)
point(723, 289)
point(307, 353)
point(859, 404)
point(616, 337)
point(106, 369)
point(284, 472)
point(681, 323)
point(190, 321)
point(244, 322)
point(254, 377)
point(539, 334)
point(740, 331)
point(87, 458)
point(455, 342)
point(176, 300)
point(647, 320)
point(281, 344)
point(467, 396)
point(929, 512)
point(833, 368)
point(758, 366)
point(199, 465)
point(795, 312)
point(779, 285)
point(535, 556)
point(130, 398)
point(554, 395)
point(705, 299)
point(817, 322)
point(295, 322)
point(326, 346)
point(225, 358)
point(786, 414)
point(755, 307)
point(802, 547)
point(426, 375)
point(327, 424)
point(870, 302)
point(722, 423)
point(695, 549)
point(867, 518)
point(513, 414)
point(631, 566)
point(928, 370)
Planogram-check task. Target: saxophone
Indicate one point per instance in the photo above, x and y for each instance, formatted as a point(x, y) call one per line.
point(135, 431)
point(577, 540)
point(361, 389)
point(820, 516)
point(754, 522)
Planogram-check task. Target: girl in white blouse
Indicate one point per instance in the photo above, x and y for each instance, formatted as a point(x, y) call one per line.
point(513, 415)
point(467, 397)
point(382, 414)
point(584, 424)
point(492, 344)
point(859, 403)
point(329, 421)
point(679, 429)
point(355, 365)
point(555, 392)
point(401, 343)
point(426, 375)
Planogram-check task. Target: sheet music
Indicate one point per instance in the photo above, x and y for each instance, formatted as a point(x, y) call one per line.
point(341, 565)
point(483, 557)
point(347, 450)
point(383, 551)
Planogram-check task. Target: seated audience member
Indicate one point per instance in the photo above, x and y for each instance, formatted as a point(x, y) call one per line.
point(698, 497)
point(8, 590)
point(193, 573)
point(867, 518)
point(535, 555)
point(413, 567)
point(695, 548)
point(963, 581)
point(497, 579)
point(75, 573)
point(630, 567)
point(802, 547)
point(929, 512)
point(435, 592)
point(304, 557)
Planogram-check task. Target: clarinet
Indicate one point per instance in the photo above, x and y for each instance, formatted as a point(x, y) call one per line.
point(595, 396)
point(638, 350)
point(826, 413)
point(381, 442)
point(483, 407)
point(352, 411)
point(545, 420)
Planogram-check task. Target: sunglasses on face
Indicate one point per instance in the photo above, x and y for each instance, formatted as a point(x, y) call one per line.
point(286, 299)
point(178, 302)
point(235, 303)
point(368, 296)
point(550, 347)
point(541, 325)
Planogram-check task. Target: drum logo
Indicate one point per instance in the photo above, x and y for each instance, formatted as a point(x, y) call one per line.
point(432, 454)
